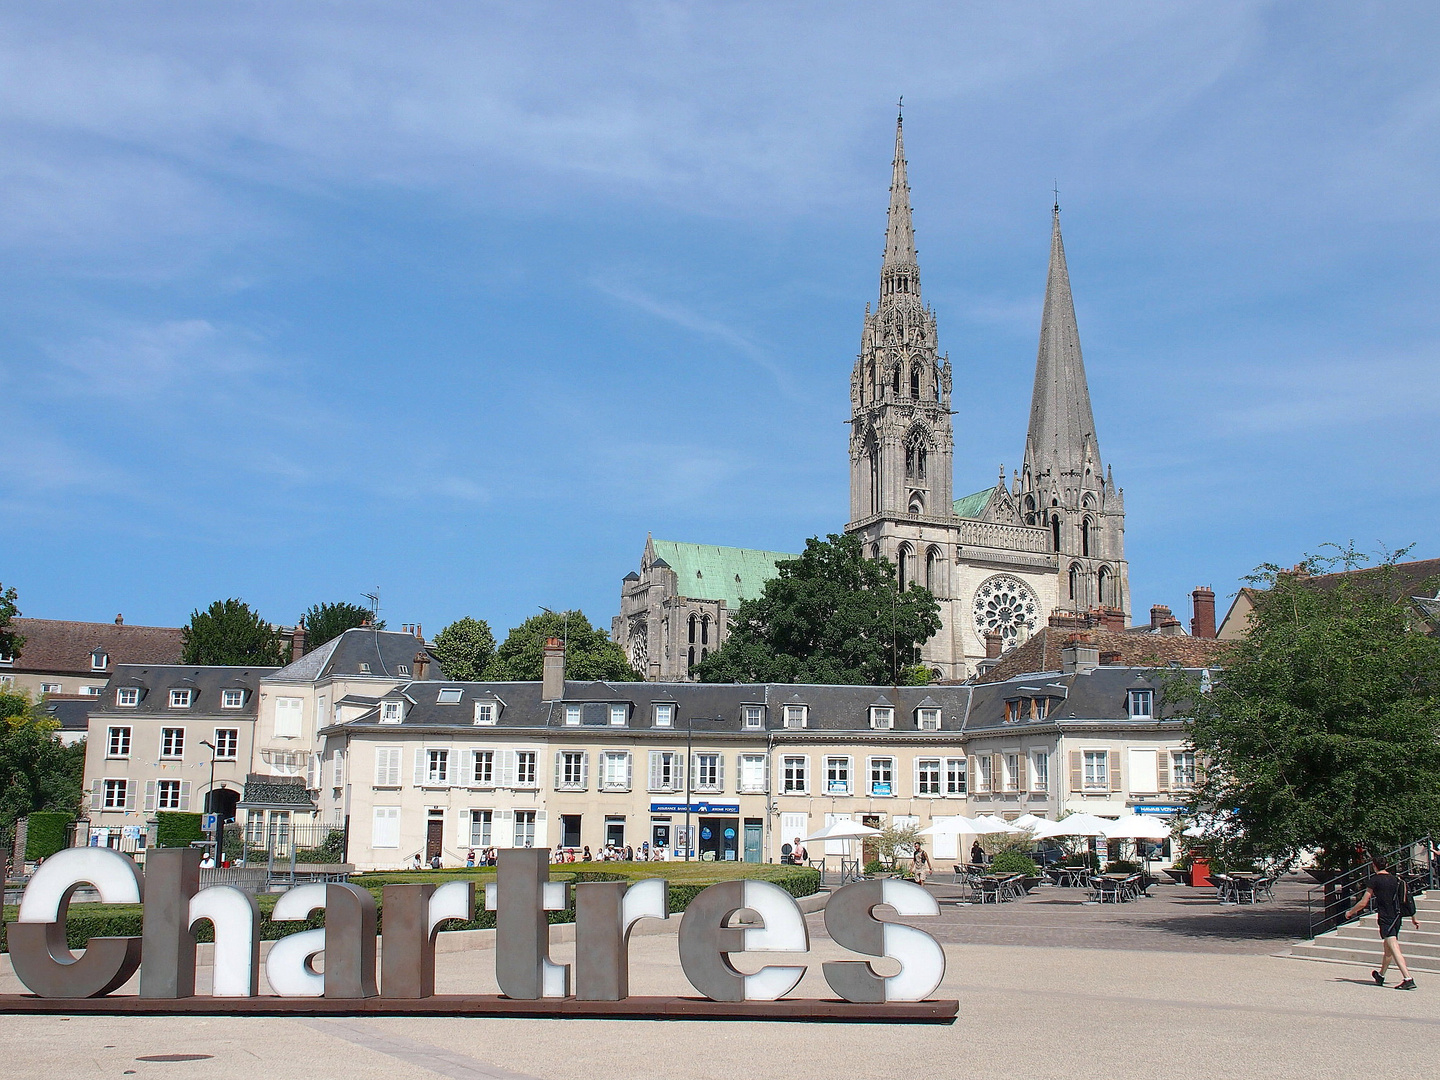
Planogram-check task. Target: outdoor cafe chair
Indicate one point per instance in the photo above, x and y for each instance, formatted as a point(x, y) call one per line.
point(1225, 888)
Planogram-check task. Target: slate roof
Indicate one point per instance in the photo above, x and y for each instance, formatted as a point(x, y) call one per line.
point(707, 572)
point(71, 710)
point(383, 651)
point(154, 681)
point(973, 506)
point(1421, 577)
point(59, 646)
point(1042, 652)
point(1101, 695)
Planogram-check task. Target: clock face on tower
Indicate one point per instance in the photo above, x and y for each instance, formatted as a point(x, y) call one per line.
point(1006, 604)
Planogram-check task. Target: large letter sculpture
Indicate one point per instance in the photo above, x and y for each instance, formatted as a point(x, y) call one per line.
point(38, 953)
point(520, 896)
point(706, 942)
point(413, 916)
point(850, 921)
point(348, 942)
point(605, 913)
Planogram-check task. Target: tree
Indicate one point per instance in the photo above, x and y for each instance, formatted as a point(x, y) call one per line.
point(465, 649)
point(589, 653)
point(831, 616)
point(10, 642)
point(326, 622)
point(36, 771)
point(228, 632)
point(1324, 730)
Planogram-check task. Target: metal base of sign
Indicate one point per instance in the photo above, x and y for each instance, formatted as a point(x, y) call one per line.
point(634, 1008)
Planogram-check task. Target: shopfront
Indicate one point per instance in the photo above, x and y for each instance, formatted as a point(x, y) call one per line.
point(715, 831)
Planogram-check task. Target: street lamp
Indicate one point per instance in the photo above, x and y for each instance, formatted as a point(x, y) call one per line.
point(210, 806)
point(689, 762)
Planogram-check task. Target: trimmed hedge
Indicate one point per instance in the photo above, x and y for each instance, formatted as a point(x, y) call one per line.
point(45, 833)
point(176, 829)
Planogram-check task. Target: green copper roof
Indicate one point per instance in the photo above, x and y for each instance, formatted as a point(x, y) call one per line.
point(706, 572)
point(972, 506)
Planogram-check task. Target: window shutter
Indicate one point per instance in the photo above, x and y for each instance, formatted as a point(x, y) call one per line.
point(150, 786)
point(766, 782)
point(97, 795)
point(975, 773)
point(1022, 779)
point(585, 771)
point(130, 786)
point(312, 771)
point(559, 763)
point(502, 829)
point(1115, 770)
point(339, 768)
point(1077, 771)
point(719, 772)
point(184, 794)
point(541, 840)
point(467, 768)
point(1162, 768)
point(419, 766)
point(655, 760)
point(505, 769)
point(997, 772)
point(629, 768)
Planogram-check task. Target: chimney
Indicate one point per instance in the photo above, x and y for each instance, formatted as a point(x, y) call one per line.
point(119, 620)
point(297, 642)
point(419, 633)
point(1068, 620)
point(1112, 656)
point(1079, 658)
point(1203, 624)
point(420, 665)
point(552, 675)
point(994, 645)
point(1158, 614)
point(1109, 618)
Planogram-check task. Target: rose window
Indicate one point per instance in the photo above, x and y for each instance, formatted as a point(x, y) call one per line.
point(1006, 604)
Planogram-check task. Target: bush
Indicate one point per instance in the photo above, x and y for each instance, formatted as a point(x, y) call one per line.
point(874, 867)
point(1012, 862)
point(46, 833)
point(1086, 859)
point(330, 850)
point(174, 829)
point(1122, 866)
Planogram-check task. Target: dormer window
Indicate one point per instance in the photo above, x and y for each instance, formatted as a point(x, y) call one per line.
point(484, 712)
point(451, 695)
point(99, 660)
point(754, 717)
point(7, 659)
point(796, 715)
point(619, 715)
point(391, 712)
point(882, 717)
point(232, 699)
point(1142, 704)
point(572, 715)
point(364, 669)
point(664, 715)
point(928, 719)
point(127, 697)
point(180, 699)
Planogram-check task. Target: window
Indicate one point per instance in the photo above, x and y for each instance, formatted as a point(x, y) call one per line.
point(1142, 704)
point(364, 669)
point(402, 669)
point(484, 768)
point(451, 695)
point(387, 766)
point(232, 699)
point(92, 691)
point(837, 776)
point(386, 831)
point(615, 770)
point(127, 697)
point(927, 776)
point(116, 794)
point(119, 742)
point(227, 744)
point(289, 716)
point(795, 716)
point(1011, 766)
point(524, 828)
point(882, 718)
point(169, 792)
point(1040, 708)
point(955, 776)
point(484, 712)
point(982, 773)
point(882, 776)
point(338, 777)
point(390, 713)
point(525, 771)
point(6, 659)
point(754, 773)
point(172, 742)
point(928, 720)
point(708, 774)
point(572, 715)
point(665, 771)
point(1039, 771)
point(619, 715)
point(664, 715)
point(570, 771)
point(1097, 770)
point(754, 717)
point(795, 774)
point(1182, 768)
point(52, 688)
point(437, 766)
point(180, 699)
point(98, 660)
point(480, 825)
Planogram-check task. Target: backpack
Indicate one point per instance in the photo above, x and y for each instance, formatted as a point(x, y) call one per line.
point(1407, 902)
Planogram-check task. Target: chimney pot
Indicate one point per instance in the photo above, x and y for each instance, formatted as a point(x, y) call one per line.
point(1203, 624)
point(1158, 614)
point(994, 644)
point(297, 641)
point(119, 620)
point(419, 632)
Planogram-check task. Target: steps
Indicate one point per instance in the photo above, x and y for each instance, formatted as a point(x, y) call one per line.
point(1358, 942)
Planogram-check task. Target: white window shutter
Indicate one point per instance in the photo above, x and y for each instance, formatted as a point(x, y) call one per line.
point(541, 840)
point(150, 786)
point(629, 769)
point(767, 774)
point(184, 794)
point(312, 771)
point(655, 760)
point(467, 769)
point(419, 765)
point(719, 772)
point(559, 768)
point(131, 786)
point(97, 795)
point(505, 768)
point(502, 830)
point(585, 771)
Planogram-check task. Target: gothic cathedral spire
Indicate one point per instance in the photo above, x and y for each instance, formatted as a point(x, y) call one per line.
point(900, 255)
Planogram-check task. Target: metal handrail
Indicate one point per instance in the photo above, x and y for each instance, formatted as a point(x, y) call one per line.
point(1326, 904)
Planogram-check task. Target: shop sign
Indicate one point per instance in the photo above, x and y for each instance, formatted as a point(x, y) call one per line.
point(695, 808)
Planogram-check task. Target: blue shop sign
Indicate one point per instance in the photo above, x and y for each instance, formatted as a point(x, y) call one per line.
point(1158, 811)
point(694, 808)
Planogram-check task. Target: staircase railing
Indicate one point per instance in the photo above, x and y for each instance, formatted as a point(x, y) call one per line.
point(1327, 903)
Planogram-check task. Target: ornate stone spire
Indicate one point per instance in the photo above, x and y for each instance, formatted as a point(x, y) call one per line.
point(1061, 440)
point(900, 269)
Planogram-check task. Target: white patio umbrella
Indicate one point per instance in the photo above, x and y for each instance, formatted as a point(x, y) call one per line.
point(958, 825)
point(987, 824)
point(843, 830)
point(1074, 825)
point(1137, 827)
point(1027, 821)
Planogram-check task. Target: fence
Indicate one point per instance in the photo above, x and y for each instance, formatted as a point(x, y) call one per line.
point(1327, 903)
point(286, 850)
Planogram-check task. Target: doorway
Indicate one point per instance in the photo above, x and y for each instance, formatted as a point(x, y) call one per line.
point(615, 832)
point(754, 838)
point(569, 830)
point(434, 835)
point(660, 834)
point(870, 851)
point(222, 802)
point(719, 836)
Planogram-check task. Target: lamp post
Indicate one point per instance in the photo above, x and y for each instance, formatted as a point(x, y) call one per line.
point(210, 806)
point(689, 761)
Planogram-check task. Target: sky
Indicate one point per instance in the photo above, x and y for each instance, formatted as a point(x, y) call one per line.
point(456, 302)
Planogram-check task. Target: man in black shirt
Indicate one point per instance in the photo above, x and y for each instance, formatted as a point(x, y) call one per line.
point(1389, 893)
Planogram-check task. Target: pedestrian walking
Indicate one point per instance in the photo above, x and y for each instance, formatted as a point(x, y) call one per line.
point(1392, 904)
point(920, 865)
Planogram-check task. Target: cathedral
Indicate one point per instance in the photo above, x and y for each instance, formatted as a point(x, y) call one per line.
point(1000, 561)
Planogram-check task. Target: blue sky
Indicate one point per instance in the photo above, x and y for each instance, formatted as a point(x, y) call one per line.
point(459, 300)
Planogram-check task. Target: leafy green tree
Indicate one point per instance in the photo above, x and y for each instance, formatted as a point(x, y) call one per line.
point(589, 653)
point(465, 649)
point(326, 622)
point(36, 771)
point(228, 632)
point(1324, 730)
point(831, 616)
point(10, 642)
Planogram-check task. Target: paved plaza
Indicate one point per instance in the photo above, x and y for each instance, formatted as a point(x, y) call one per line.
point(1171, 986)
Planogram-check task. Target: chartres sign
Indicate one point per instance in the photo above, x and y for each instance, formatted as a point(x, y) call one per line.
point(597, 984)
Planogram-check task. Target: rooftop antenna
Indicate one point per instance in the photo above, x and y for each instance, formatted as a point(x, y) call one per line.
point(374, 598)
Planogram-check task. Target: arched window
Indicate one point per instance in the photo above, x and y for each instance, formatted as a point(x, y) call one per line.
point(917, 503)
point(703, 654)
point(1106, 587)
point(1055, 531)
point(1029, 510)
point(916, 458)
point(694, 621)
point(915, 381)
point(874, 478)
point(874, 551)
point(905, 565)
point(895, 381)
point(932, 570)
point(704, 634)
point(692, 656)
point(1085, 527)
point(1074, 583)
